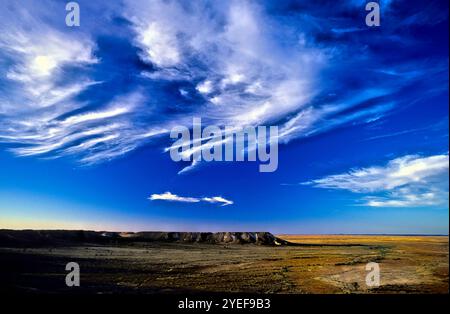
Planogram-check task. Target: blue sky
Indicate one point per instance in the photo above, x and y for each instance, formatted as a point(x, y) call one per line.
point(362, 112)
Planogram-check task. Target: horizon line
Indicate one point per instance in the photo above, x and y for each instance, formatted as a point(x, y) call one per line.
point(288, 234)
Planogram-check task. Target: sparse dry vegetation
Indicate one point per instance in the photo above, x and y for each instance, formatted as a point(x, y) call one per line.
point(320, 264)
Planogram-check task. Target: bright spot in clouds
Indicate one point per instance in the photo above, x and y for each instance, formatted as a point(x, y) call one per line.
point(43, 65)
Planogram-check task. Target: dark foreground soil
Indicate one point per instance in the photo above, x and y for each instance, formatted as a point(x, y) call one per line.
point(319, 264)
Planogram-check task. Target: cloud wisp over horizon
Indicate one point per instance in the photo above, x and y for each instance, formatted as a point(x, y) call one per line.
point(168, 196)
point(407, 181)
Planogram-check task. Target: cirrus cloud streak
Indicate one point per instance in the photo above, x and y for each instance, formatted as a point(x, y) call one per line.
point(168, 196)
point(406, 181)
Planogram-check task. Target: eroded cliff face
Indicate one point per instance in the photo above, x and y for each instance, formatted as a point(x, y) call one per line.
point(26, 238)
point(262, 238)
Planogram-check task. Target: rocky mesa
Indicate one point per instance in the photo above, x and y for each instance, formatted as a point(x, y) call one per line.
point(26, 238)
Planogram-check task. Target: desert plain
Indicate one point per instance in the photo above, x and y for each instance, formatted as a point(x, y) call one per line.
point(313, 264)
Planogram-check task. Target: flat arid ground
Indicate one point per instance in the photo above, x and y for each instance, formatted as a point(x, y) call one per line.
point(320, 264)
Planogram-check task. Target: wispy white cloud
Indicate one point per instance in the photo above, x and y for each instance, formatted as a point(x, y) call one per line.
point(217, 199)
point(243, 73)
point(160, 44)
point(168, 196)
point(410, 180)
point(411, 196)
point(397, 172)
point(96, 115)
point(46, 70)
point(37, 55)
point(238, 63)
point(97, 135)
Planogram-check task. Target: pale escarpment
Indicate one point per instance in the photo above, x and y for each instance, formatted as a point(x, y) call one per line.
point(24, 238)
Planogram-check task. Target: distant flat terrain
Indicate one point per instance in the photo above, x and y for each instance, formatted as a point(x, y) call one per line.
point(318, 264)
point(417, 264)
